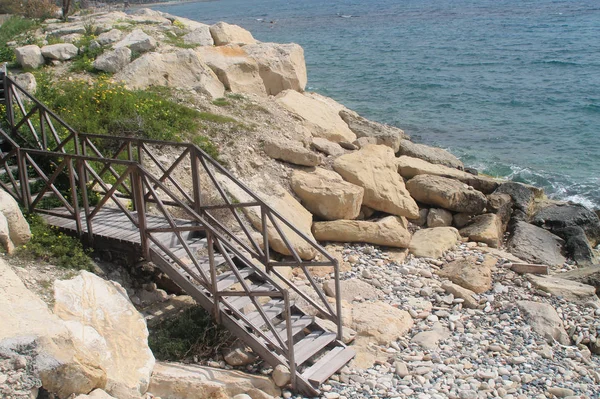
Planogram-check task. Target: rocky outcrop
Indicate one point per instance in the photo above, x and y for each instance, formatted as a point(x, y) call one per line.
point(224, 33)
point(430, 154)
point(470, 274)
point(26, 81)
point(119, 339)
point(62, 366)
point(501, 205)
point(291, 151)
point(380, 321)
point(390, 231)
point(568, 289)
point(383, 134)
point(559, 216)
point(374, 168)
point(432, 243)
point(327, 147)
point(113, 61)
point(446, 193)
point(18, 227)
point(327, 195)
point(182, 69)
point(200, 36)
point(185, 381)
point(535, 245)
point(321, 119)
point(544, 320)
point(437, 217)
point(60, 51)
point(523, 197)
point(485, 228)
point(29, 57)
point(235, 69)
point(281, 66)
point(112, 36)
point(577, 245)
point(410, 167)
point(586, 275)
point(137, 41)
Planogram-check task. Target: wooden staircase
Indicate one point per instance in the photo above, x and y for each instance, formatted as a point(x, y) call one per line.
point(149, 208)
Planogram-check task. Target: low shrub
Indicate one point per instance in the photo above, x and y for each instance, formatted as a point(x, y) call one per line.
point(192, 333)
point(52, 246)
point(9, 30)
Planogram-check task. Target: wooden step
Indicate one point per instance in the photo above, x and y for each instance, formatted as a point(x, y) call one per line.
point(228, 279)
point(311, 345)
point(327, 365)
point(239, 302)
point(298, 322)
point(272, 309)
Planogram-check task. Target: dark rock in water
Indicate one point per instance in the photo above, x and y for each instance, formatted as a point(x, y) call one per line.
point(556, 217)
point(586, 275)
point(577, 245)
point(522, 196)
point(535, 245)
point(472, 171)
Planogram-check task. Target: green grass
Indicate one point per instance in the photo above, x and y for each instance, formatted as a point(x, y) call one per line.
point(84, 62)
point(214, 118)
point(52, 246)
point(10, 29)
point(221, 102)
point(208, 146)
point(107, 108)
point(192, 333)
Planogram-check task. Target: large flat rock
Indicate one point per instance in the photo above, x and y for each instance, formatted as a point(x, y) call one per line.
point(430, 154)
point(390, 231)
point(535, 245)
point(560, 216)
point(446, 193)
point(568, 289)
point(432, 243)
point(373, 167)
point(544, 320)
point(469, 274)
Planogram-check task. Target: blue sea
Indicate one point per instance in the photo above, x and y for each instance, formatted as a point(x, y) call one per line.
point(512, 87)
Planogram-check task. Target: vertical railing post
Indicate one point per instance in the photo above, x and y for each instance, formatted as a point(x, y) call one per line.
point(213, 277)
point(338, 298)
point(43, 130)
point(138, 198)
point(196, 180)
point(10, 112)
point(290, 337)
point(73, 186)
point(84, 196)
point(23, 180)
point(265, 234)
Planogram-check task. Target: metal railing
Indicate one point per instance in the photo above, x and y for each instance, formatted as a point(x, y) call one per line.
point(192, 187)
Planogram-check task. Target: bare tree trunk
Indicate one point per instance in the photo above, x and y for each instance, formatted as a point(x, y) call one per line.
point(66, 5)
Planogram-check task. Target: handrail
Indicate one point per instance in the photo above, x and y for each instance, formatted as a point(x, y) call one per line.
point(133, 180)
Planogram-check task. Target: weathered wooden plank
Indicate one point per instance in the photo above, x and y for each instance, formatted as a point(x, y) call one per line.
point(326, 367)
point(272, 309)
point(312, 345)
point(523, 268)
point(228, 279)
point(298, 322)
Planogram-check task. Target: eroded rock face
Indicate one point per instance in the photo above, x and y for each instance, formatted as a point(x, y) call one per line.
point(382, 134)
point(380, 321)
point(291, 151)
point(200, 36)
point(429, 154)
point(568, 289)
point(182, 69)
point(409, 167)
point(119, 338)
point(327, 147)
point(390, 231)
point(224, 33)
point(236, 70)
point(544, 320)
point(29, 57)
point(320, 118)
point(559, 216)
point(432, 243)
point(485, 228)
point(523, 197)
point(374, 168)
point(437, 217)
point(535, 245)
point(446, 193)
point(282, 66)
point(17, 225)
point(327, 195)
point(60, 51)
point(184, 381)
point(113, 61)
point(137, 41)
point(469, 274)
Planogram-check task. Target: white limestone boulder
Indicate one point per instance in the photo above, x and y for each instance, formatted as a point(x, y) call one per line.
point(182, 69)
point(320, 118)
point(432, 243)
point(430, 154)
point(224, 33)
point(112, 36)
point(327, 195)
point(446, 193)
point(391, 231)
point(282, 66)
point(102, 319)
point(374, 168)
point(138, 41)
point(235, 69)
point(200, 36)
point(113, 61)
point(291, 151)
point(60, 51)
point(29, 57)
point(17, 224)
point(27, 81)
